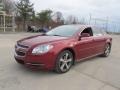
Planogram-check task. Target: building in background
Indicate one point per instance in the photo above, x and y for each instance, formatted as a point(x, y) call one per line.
point(7, 21)
point(1, 6)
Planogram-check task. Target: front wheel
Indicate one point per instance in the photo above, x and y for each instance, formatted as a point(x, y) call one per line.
point(107, 50)
point(64, 61)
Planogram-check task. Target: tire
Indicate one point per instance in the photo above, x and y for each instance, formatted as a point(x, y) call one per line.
point(64, 62)
point(107, 50)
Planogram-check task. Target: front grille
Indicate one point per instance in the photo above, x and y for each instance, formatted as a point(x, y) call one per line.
point(21, 49)
point(23, 46)
point(20, 53)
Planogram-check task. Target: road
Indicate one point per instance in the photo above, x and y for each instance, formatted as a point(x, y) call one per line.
point(97, 73)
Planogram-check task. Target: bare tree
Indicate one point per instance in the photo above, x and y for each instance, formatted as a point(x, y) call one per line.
point(58, 17)
point(9, 6)
point(82, 21)
point(72, 20)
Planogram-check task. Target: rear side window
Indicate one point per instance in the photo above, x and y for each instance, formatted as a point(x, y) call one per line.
point(97, 32)
point(103, 32)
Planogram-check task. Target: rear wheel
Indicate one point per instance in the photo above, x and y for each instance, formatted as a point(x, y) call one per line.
point(64, 61)
point(107, 50)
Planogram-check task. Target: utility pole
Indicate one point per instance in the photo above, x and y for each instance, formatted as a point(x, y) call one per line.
point(90, 18)
point(95, 21)
point(107, 24)
point(4, 21)
point(13, 22)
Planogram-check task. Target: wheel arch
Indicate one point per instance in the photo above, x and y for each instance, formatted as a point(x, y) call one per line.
point(109, 42)
point(72, 51)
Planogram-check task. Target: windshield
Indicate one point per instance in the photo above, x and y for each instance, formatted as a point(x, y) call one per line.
point(65, 31)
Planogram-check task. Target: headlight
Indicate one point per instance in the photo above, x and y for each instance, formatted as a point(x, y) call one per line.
point(41, 49)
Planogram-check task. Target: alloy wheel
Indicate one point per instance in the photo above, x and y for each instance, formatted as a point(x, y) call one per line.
point(107, 50)
point(64, 61)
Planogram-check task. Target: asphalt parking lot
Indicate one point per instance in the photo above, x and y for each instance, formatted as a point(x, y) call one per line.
point(95, 74)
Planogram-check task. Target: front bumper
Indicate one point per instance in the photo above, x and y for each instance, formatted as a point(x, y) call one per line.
point(45, 61)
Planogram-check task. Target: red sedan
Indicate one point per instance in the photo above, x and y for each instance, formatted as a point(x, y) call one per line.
point(61, 47)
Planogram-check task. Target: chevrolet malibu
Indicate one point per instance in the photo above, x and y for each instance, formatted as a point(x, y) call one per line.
point(61, 47)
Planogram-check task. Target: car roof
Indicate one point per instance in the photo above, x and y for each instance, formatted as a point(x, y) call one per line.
point(80, 27)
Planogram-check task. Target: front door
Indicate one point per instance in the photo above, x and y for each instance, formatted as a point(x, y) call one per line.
point(85, 47)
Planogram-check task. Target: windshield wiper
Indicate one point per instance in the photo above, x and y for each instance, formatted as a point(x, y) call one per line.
point(56, 35)
point(52, 35)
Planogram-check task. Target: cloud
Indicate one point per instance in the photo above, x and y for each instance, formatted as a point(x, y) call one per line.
point(98, 8)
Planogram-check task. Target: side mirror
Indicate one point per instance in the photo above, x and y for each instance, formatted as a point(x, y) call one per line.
point(84, 35)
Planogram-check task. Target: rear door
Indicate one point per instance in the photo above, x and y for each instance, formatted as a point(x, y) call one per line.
point(99, 40)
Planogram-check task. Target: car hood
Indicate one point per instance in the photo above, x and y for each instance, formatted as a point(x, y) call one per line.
point(30, 41)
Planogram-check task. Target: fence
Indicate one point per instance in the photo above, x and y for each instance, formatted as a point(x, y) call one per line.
point(107, 24)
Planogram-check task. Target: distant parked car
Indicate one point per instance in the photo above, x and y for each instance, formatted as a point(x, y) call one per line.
point(61, 47)
point(29, 29)
point(43, 30)
point(35, 29)
point(32, 29)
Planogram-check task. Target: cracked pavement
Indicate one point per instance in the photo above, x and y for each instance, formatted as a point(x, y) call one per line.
point(97, 73)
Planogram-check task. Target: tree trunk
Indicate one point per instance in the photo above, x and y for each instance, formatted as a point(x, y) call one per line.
point(24, 25)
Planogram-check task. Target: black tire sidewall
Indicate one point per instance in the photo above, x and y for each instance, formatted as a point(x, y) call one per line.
point(57, 67)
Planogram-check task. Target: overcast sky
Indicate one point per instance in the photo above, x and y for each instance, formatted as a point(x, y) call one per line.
point(98, 8)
